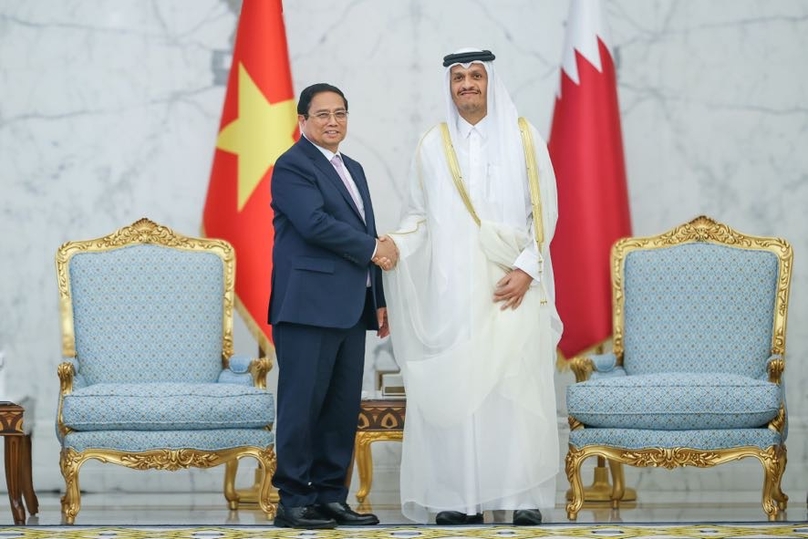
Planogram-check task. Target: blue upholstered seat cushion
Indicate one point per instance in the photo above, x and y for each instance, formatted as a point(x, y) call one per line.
point(168, 406)
point(140, 440)
point(674, 401)
point(708, 440)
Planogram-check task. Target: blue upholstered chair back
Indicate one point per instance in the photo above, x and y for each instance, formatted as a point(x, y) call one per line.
point(147, 313)
point(699, 307)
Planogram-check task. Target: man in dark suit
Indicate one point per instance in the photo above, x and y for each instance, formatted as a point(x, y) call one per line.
point(326, 294)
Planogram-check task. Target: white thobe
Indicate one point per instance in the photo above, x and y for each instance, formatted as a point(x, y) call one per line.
point(481, 430)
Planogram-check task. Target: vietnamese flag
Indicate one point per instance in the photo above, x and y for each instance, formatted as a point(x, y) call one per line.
point(586, 148)
point(259, 123)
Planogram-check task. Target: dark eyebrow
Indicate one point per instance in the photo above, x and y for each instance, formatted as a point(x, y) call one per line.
point(327, 110)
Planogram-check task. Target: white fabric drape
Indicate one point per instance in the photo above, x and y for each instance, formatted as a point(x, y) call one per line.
point(481, 429)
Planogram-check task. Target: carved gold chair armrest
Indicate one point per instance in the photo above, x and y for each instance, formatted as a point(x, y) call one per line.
point(259, 368)
point(597, 365)
point(66, 372)
point(240, 369)
point(776, 366)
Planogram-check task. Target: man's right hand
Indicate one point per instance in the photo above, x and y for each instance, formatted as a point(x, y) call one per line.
point(386, 253)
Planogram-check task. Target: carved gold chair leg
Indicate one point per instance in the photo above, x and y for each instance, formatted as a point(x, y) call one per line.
point(573, 469)
point(364, 457)
point(769, 505)
point(249, 495)
point(269, 507)
point(71, 500)
point(268, 463)
point(266, 498)
point(619, 486)
point(773, 498)
point(601, 489)
point(620, 492)
point(230, 493)
point(364, 465)
point(778, 494)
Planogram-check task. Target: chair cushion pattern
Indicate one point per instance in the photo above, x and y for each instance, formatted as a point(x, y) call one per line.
point(135, 441)
point(674, 401)
point(146, 313)
point(672, 439)
point(684, 315)
point(167, 407)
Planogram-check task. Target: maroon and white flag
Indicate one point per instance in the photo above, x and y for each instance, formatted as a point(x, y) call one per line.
point(586, 147)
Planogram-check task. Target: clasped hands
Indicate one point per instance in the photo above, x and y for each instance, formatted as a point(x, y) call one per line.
point(386, 253)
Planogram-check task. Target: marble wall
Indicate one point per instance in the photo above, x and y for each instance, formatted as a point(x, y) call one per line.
point(109, 112)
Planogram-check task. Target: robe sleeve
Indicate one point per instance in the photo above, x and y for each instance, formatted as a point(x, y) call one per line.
point(412, 229)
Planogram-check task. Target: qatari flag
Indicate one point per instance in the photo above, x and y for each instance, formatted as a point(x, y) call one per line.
point(586, 147)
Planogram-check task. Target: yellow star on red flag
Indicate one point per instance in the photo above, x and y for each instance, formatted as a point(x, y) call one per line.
point(260, 134)
point(259, 123)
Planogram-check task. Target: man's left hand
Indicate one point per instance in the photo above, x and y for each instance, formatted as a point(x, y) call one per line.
point(384, 327)
point(511, 289)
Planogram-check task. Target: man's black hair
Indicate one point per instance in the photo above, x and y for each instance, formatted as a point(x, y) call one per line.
point(309, 92)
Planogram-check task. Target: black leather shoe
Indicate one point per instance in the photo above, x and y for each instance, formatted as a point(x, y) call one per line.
point(526, 517)
point(342, 513)
point(305, 518)
point(456, 518)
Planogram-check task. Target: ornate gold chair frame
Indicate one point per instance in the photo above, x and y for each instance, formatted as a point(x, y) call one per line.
point(773, 458)
point(145, 231)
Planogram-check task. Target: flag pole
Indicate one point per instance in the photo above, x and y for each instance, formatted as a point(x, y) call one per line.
point(586, 149)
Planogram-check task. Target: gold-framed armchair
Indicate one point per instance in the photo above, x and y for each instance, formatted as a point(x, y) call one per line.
point(695, 377)
point(149, 379)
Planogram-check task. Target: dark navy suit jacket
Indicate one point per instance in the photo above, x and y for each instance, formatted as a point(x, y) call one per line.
point(323, 248)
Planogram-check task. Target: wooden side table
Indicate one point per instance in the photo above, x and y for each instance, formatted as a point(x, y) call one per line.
point(19, 480)
point(379, 419)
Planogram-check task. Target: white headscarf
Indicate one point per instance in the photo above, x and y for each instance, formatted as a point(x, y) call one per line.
point(505, 142)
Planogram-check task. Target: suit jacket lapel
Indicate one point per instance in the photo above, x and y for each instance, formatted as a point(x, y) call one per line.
point(322, 163)
point(361, 185)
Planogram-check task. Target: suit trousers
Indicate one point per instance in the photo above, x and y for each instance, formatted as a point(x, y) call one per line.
point(319, 393)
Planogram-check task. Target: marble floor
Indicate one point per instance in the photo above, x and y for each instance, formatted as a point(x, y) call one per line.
point(210, 508)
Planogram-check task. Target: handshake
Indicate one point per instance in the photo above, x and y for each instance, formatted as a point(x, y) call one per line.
point(386, 253)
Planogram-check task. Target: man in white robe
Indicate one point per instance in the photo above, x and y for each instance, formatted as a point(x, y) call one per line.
point(472, 311)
